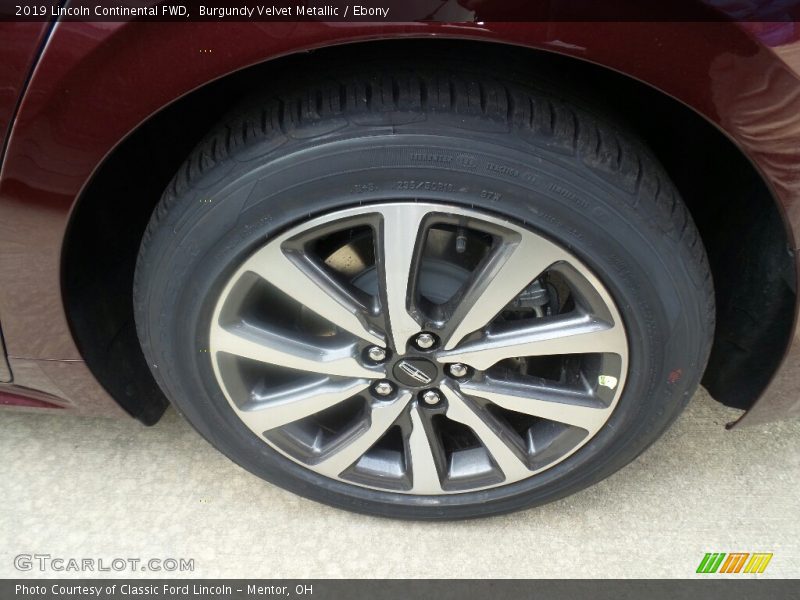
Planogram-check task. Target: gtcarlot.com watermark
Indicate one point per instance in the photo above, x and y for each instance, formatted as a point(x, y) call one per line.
point(65, 564)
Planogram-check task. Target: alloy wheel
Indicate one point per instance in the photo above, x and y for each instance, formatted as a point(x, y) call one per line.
point(419, 348)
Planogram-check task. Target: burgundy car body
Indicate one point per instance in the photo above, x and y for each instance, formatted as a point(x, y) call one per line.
point(93, 84)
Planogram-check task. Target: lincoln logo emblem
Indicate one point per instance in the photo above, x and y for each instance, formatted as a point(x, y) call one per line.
point(414, 372)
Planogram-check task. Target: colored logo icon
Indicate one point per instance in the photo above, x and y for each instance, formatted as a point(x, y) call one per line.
point(734, 562)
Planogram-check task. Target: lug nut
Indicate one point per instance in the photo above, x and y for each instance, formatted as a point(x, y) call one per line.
point(383, 388)
point(425, 341)
point(458, 370)
point(377, 354)
point(431, 397)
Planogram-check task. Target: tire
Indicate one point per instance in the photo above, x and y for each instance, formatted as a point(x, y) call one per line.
point(486, 149)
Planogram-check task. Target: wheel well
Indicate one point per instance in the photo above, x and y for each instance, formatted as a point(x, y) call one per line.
point(739, 222)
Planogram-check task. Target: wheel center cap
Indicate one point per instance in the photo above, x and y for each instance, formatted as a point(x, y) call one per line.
point(415, 372)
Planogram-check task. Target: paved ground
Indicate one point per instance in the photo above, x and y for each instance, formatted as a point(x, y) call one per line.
point(102, 488)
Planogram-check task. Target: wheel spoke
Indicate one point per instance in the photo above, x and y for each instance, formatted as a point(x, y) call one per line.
point(425, 452)
point(269, 347)
point(564, 406)
point(382, 416)
point(298, 403)
point(489, 432)
point(560, 335)
point(397, 249)
point(309, 285)
point(507, 271)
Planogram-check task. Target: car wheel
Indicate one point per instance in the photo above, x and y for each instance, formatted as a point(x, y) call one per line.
point(425, 295)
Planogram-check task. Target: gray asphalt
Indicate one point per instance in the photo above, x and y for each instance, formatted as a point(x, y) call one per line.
point(105, 489)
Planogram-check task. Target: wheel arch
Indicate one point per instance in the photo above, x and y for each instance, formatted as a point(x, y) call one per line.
point(103, 237)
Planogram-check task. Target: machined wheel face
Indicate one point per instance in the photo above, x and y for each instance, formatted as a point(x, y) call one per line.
point(419, 348)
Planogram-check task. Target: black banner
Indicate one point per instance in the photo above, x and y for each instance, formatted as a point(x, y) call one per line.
point(398, 589)
point(459, 11)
